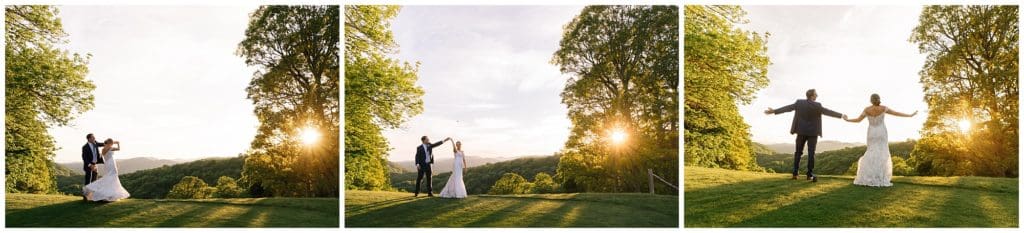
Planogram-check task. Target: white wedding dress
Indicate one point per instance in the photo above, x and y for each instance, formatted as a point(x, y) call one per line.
point(875, 167)
point(108, 187)
point(455, 188)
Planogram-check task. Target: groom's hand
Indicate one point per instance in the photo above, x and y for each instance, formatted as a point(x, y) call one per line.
point(769, 111)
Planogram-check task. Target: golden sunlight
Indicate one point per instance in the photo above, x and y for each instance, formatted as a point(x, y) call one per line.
point(618, 136)
point(309, 135)
point(964, 124)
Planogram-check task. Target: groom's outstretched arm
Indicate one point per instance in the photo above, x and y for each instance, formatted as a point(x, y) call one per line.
point(829, 112)
point(436, 144)
point(783, 109)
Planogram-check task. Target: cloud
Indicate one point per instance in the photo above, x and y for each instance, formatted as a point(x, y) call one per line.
point(844, 52)
point(487, 77)
point(167, 80)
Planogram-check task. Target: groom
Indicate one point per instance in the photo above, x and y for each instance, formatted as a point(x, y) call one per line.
point(425, 157)
point(90, 157)
point(807, 127)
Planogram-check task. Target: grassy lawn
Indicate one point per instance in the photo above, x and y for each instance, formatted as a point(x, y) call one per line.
point(400, 209)
point(727, 198)
point(33, 210)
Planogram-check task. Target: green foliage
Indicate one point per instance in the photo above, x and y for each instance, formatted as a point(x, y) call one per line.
point(623, 63)
point(295, 87)
point(45, 85)
point(728, 198)
point(971, 72)
point(380, 93)
point(157, 182)
point(725, 66)
point(543, 183)
point(511, 183)
point(190, 187)
point(364, 209)
point(838, 162)
point(228, 188)
point(34, 210)
point(479, 179)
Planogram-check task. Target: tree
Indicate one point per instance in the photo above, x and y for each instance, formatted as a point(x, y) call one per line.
point(725, 66)
point(190, 187)
point(45, 86)
point(543, 183)
point(380, 93)
point(511, 183)
point(971, 74)
point(624, 77)
point(295, 90)
point(228, 188)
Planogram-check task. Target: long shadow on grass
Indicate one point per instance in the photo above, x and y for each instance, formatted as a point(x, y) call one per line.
point(403, 214)
point(39, 216)
point(720, 205)
point(493, 218)
point(829, 209)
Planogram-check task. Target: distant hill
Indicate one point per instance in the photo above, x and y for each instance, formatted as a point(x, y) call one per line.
point(761, 149)
point(444, 164)
point(822, 146)
point(837, 162)
point(479, 179)
point(156, 182)
point(127, 165)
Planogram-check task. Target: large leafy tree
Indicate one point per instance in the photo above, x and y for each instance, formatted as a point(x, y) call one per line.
point(295, 91)
point(45, 86)
point(971, 75)
point(725, 65)
point(624, 67)
point(380, 93)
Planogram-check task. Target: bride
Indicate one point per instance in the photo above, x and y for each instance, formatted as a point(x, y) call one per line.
point(875, 167)
point(455, 188)
point(107, 188)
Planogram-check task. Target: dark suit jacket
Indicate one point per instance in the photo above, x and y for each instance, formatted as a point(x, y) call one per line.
point(807, 119)
point(421, 154)
point(87, 155)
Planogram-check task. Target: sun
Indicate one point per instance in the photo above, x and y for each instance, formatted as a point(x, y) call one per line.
point(964, 124)
point(618, 136)
point(309, 135)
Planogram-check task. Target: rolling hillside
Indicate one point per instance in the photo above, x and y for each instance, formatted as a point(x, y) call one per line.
point(400, 209)
point(32, 210)
point(156, 182)
point(439, 159)
point(728, 198)
point(127, 165)
point(479, 179)
point(822, 146)
point(837, 162)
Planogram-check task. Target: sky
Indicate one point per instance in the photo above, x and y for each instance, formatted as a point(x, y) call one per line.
point(168, 82)
point(487, 77)
point(846, 53)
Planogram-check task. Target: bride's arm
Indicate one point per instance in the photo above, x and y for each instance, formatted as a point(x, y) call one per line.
point(118, 148)
point(895, 113)
point(858, 119)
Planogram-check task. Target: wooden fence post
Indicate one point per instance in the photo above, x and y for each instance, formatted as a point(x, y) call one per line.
point(650, 179)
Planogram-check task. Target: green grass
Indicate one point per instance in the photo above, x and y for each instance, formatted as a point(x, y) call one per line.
point(400, 209)
point(33, 210)
point(727, 198)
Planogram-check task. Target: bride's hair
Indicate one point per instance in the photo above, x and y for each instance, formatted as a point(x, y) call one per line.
point(876, 100)
point(108, 141)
